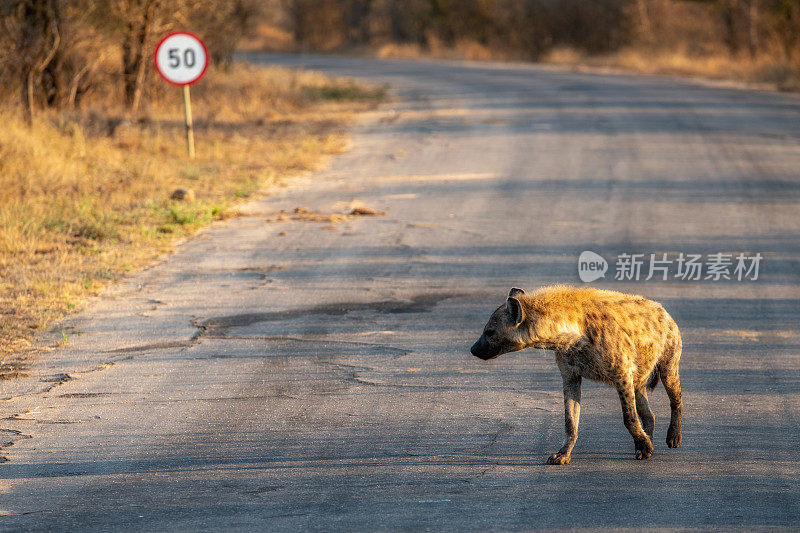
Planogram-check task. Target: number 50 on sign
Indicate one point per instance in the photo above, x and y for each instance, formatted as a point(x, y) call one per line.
point(181, 59)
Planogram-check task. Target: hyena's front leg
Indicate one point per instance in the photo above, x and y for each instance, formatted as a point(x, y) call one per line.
point(644, 447)
point(645, 414)
point(572, 413)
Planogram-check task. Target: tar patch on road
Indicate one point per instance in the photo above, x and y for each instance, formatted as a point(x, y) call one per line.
point(421, 303)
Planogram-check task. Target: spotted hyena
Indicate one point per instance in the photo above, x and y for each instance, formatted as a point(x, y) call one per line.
point(623, 340)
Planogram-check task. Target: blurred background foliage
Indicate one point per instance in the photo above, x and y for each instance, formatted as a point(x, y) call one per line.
point(754, 40)
point(59, 53)
point(531, 27)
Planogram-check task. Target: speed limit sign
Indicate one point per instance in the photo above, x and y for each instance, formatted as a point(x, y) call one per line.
point(182, 59)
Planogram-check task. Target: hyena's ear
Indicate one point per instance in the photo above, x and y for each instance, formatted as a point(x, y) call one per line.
point(515, 311)
point(514, 292)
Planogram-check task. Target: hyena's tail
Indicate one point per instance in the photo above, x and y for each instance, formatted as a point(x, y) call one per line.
point(652, 381)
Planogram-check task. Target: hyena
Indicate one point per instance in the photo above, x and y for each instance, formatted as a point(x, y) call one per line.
point(622, 340)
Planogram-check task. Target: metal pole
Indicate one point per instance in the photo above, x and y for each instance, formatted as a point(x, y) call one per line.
point(187, 108)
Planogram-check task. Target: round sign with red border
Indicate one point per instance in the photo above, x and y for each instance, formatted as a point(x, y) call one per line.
point(181, 58)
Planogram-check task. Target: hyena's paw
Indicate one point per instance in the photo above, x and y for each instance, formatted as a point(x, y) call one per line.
point(558, 459)
point(673, 437)
point(644, 449)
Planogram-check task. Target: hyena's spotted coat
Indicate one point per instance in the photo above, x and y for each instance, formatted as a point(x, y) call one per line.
point(623, 340)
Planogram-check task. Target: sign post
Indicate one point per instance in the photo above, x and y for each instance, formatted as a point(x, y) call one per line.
point(187, 113)
point(181, 59)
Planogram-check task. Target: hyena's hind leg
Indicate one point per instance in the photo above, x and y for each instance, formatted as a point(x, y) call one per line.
point(644, 412)
point(672, 384)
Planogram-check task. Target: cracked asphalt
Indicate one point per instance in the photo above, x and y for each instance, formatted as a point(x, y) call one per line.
point(298, 375)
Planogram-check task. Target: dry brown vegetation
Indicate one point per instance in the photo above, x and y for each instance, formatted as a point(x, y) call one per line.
point(62, 53)
point(763, 71)
point(754, 41)
point(85, 193)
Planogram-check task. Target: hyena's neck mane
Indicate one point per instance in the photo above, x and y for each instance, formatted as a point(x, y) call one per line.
point(555, 316)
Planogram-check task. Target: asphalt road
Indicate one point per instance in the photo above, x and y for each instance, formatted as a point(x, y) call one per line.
point(298, 375)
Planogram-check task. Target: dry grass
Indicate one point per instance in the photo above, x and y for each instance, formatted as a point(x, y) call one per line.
point(85, 196)
point(763, 70)
point(766, 70)
point(463, 49)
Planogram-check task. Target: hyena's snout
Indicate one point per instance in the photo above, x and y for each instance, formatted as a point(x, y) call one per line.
point(484, 349)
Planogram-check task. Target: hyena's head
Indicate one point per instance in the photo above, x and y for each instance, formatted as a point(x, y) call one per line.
point(505, 331)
